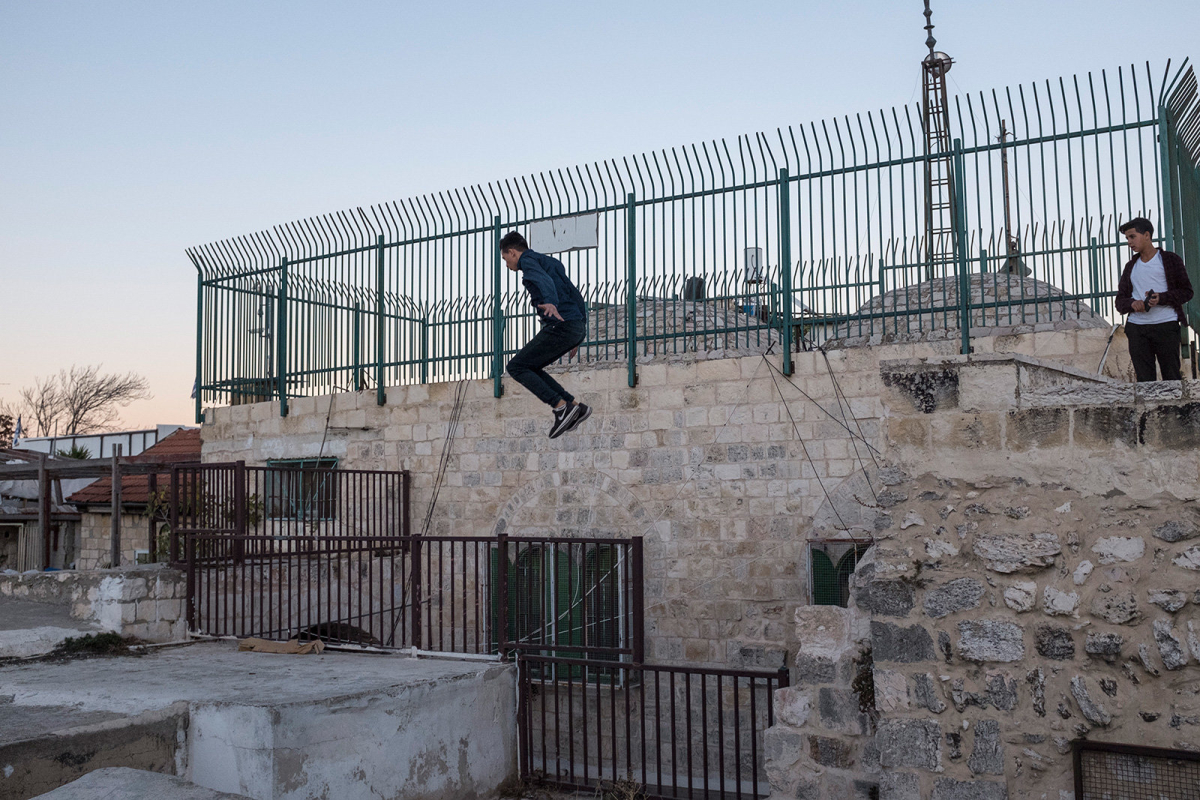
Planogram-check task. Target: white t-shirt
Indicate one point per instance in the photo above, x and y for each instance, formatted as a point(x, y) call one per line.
point(1149, 276)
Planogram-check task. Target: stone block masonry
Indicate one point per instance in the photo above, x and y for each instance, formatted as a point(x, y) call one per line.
point(147, 602)
point(727, 468)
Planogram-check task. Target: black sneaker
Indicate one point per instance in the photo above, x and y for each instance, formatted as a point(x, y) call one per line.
point(585, 412)
point(563, 418)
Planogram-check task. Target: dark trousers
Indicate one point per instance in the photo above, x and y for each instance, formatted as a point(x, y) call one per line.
point(1148, 342)
point(552, 342)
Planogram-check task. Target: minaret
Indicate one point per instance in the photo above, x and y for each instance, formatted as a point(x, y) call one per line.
point(940, 222)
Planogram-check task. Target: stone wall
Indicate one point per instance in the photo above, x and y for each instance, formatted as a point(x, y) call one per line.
point(144, 602)
point(723, 465)
point(95, 539)
point(1032, 582)
point(948, 464)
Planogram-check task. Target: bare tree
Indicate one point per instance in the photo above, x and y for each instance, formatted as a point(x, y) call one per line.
point(81, 400)
point(42, 404)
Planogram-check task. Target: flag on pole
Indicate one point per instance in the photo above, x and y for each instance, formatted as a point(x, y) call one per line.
point(17, 432)
point(195, 388)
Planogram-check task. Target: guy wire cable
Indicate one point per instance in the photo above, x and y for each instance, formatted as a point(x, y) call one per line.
point(840, 395)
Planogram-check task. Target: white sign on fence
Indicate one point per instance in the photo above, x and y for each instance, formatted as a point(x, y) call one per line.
point(563, 234)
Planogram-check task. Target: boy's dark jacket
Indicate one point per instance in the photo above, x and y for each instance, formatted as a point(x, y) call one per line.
point(1179, 288)
point(546, 280)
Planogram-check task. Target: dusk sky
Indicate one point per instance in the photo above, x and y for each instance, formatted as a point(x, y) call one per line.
point(130, 131)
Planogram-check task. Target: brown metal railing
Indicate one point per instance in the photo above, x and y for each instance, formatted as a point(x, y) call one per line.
point(677, 731)
point(313, 552)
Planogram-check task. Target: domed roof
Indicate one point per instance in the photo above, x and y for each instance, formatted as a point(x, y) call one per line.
point(1002, 304)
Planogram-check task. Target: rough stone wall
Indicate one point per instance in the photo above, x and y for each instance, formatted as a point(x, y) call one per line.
point(1032, 582)
point(146, 602)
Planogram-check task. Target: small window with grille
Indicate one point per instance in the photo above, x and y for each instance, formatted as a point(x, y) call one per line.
point(831, 563)
point(301, 489)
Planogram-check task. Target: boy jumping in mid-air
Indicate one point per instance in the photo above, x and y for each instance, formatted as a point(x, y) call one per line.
point(561, 309)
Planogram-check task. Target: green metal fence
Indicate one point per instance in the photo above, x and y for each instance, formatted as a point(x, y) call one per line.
point(1179, 121)
point(690, 241)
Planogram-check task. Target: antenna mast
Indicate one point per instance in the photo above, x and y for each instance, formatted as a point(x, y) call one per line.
point(940, 223)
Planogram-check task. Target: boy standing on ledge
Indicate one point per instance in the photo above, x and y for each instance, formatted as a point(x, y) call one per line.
point(561, 309)
point(1152, 290)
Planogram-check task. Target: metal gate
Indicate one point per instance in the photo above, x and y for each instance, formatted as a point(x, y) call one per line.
point(675, 731)
point(314, 552)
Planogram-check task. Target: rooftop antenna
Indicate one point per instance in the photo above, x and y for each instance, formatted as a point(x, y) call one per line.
point(940, 223)
point(1013, 263)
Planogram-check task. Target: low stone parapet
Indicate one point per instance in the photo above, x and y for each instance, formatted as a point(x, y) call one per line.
point(146, 602)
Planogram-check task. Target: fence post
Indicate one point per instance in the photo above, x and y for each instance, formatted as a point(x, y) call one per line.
point(414, 584)
point(190, 554)
point(631, 287)
point(785, 266)
point(358, 347)
point(114, 555)
point(239, 511)
point(497, 314)
point(173, 519)
point(502, 594)
point(199, 345)
point(152, 551)
point(960, 250)
point(380, 394)
point(1094, 258)
point(524, 735)
point(638, 601)
point(1168, 174)
point(281, 337)
point(983, 262)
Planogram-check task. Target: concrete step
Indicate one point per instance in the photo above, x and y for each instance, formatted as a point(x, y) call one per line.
point(134, 784)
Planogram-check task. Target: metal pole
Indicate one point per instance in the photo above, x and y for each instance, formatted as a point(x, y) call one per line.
point(380, 394)
point(497, 314)
point(414, 582)
point(1168, 212)
point(502, 594)
point(281, 334)
point(239, 511)
point(785, 266)
point(114, 556)
point(44, 510)
point(358, 347)
point(152, 547)
point(631, 287)
point(199, 345)
point(1094, 263)
point(960, 248)
point(173, 519)
point(189, 553)
point(637, 567)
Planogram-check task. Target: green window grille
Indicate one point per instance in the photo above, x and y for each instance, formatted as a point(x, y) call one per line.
point(556, 601)
point(301, 489)
point(830, 566)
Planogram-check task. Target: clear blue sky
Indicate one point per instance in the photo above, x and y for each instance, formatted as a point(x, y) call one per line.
point(129, 131)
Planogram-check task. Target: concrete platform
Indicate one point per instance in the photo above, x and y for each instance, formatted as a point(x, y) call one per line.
point(33, 629)
point(123, 783)
point(263, 725)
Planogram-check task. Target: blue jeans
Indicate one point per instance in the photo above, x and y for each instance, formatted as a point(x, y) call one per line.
point(552, 342)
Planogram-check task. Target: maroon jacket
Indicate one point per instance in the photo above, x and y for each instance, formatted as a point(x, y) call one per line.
point(1179, 288)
